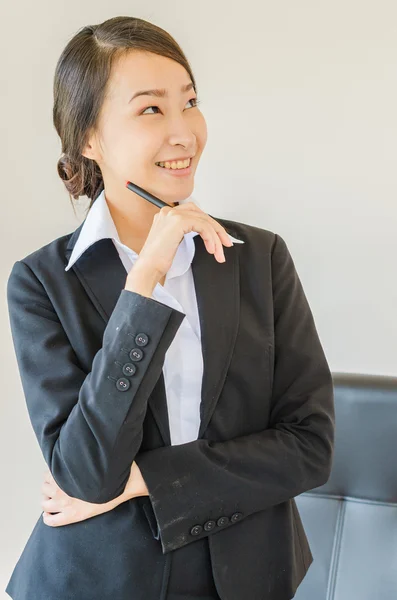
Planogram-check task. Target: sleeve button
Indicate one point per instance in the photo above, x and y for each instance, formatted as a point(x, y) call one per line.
point(208, 525)
point(141, 339)
point(129, 369)
point(196, 530)
point(136, 354)
point(123, 384)
point(236, 517)
point(222, 521)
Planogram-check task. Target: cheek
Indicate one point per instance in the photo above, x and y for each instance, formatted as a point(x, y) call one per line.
point(116, 143)
point(143, 141)
point(128, 148)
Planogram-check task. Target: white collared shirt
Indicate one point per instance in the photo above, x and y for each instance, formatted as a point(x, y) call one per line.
point(183, 364)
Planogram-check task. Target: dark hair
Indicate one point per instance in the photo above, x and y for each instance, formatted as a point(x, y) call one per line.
point(81, 75)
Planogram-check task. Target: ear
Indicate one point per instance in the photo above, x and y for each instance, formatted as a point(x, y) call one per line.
point(90, 150)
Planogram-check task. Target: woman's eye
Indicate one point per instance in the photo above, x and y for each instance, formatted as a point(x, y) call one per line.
point(196, 102)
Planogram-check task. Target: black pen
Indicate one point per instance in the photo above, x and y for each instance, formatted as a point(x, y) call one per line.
point(145, 194)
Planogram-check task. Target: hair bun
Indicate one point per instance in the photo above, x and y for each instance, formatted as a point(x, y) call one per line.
point(81, 178)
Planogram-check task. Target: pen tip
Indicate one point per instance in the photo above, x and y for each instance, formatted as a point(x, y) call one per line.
point(127, 182)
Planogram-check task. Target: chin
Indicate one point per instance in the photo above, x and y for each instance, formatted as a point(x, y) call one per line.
point(176, 197)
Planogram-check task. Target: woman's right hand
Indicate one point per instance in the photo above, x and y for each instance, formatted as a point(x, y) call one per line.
point(169, 226)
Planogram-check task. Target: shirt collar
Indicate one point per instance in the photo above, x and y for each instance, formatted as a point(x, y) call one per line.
point(99, 225)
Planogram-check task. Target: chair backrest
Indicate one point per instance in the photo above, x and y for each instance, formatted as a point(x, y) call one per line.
point(351, 521)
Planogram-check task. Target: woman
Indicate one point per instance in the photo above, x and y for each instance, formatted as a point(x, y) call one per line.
point(181, 400)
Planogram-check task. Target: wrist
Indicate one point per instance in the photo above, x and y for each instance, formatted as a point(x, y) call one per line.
point(136, 485)
point(142, 279)
point(106, 507)
point(126, 495)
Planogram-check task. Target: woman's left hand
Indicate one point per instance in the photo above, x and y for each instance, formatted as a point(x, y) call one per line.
point(72, 510)
point(68, 509)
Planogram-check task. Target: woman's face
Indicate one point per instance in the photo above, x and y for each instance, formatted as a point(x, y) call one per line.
point(135, 133)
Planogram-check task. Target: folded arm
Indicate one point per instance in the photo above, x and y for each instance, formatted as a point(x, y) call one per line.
point(88, 425)
point(191, 486)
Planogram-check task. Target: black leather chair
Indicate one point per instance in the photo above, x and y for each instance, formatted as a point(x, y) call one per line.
point(351, 521)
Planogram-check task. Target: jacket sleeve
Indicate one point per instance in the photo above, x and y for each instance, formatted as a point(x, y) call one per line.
point(203, 480)
point(88, 425)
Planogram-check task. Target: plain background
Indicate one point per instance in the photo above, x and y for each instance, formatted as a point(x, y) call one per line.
point(300, 100)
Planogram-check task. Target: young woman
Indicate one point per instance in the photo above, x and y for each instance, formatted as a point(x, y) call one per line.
point(174, 379)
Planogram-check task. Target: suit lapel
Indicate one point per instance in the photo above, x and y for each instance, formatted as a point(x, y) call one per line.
point(103, 277)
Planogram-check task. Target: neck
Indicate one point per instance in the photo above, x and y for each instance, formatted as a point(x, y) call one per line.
point(133, 219)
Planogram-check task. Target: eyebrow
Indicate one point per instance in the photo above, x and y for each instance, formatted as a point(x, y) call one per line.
point(162, 93)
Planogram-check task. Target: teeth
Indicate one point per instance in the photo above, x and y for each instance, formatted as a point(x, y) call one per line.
point(180, 164)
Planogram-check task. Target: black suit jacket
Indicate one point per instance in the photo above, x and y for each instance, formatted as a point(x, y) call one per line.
point(266, 434)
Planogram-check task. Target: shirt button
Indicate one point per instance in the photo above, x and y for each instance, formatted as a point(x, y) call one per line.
point(196, 530)
point(236, 517)
point(222, 521)
point(129, 369)
point(141, 339)
point(123, 384)
point(209, 525)
point(136, 354)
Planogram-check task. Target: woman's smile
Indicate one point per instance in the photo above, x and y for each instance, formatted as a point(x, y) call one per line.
point(177, 172)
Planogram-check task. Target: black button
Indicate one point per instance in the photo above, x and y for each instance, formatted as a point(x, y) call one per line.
point(129, 369)
point(136, 354)
point(141, 339)
point(236, 517)
point(196, 530)
point(123, 384)
point(222, 521)
point(209, 525)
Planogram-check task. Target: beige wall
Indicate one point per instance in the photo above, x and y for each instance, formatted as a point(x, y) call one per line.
point(300, 100)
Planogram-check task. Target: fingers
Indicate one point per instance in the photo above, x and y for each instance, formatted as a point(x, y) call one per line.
point(217, 245)
point(50, 505)
point(57, 511)
point(215, 236)
point(55, 520)
point(55, 501)
point(48, 476)
point(53, 491)
point(221, 231)
point(47, 489)
point(211, 239)
point(221, 237)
